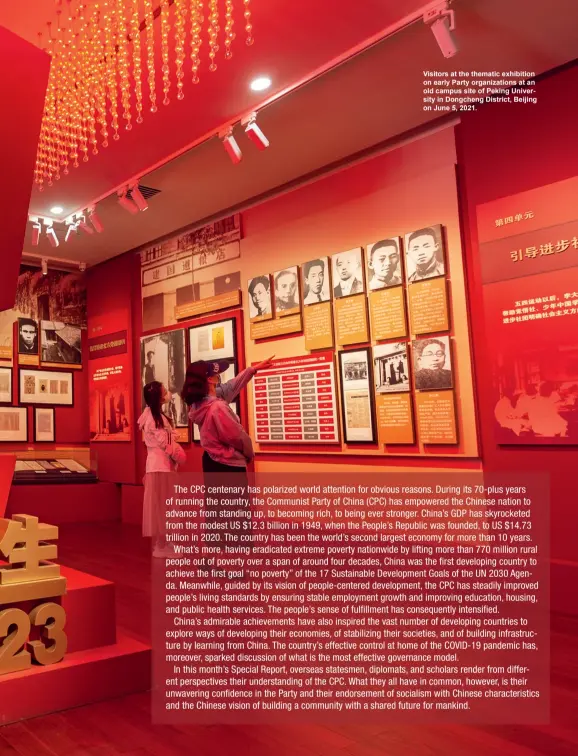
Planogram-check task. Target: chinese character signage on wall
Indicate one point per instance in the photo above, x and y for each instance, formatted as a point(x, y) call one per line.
point(185, 269)
point(529, 262)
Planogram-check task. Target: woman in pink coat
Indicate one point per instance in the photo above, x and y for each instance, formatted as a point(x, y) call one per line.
point(164, 455)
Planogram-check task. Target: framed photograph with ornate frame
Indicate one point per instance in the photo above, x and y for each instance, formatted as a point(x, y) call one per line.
point(357, 404)
point(46, 387)
point(13, 424)
point(5, 385)
point(44, 425)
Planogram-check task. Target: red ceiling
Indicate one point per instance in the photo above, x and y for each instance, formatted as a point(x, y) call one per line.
point(292, 39)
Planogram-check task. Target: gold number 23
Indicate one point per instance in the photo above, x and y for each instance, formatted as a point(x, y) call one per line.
point(16, 649)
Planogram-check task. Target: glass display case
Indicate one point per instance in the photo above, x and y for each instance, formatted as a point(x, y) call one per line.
point(63, 464)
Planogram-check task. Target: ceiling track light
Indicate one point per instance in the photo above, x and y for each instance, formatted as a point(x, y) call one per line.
point(82, 267)
point(442, 22)
point(137, 197)
point(51, 234)
point(255, 134)
point(44, 266)
point(231, 147)
point(95, 220)
point(36, 229)
point(82, 224)
point(126, 203)
point(72, 228)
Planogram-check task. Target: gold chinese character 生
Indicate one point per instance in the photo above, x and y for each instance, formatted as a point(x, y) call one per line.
point(28, 574)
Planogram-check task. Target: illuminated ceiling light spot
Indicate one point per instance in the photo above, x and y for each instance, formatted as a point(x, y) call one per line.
point(260, 84)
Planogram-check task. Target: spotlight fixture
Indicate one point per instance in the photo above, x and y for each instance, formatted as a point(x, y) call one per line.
point(442, 22)
point(260, 84)
point(231, 147)
point(56, 210)
point(81, 223)
point(254, 133)
point(138, 199)
point(82, 267)
point(36, 230)
point(72, 228)
point(51, 234)
point(44, 266)
point(127, 203)
point(95, 220)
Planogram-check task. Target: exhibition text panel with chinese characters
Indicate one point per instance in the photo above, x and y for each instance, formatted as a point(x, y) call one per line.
point(428, 306)
point(318, 326)
point(351, 320)
point(387, 310)
point(395, 419)
point(531, 309)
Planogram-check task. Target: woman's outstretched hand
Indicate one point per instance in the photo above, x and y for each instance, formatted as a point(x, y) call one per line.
point(265, 364)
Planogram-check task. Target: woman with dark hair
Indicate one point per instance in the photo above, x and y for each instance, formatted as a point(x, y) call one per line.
point(164, 455)
point(227, 447)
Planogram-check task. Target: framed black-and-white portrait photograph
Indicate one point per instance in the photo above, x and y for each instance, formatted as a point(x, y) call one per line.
point(260, 299)
point(347, 273)
point(44, 425)
point(13, 424)
point(424, 254)
point(315, 281)
point(391, 368)
point(27, 337)
point(357, 405)
point(46, 387)
point(286, 291)
point(5, 385)
point(60, 344)
point(432, 364)
point(164, 359)
point(383, 263)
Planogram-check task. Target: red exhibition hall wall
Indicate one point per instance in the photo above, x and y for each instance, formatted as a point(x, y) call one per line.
point(24, 75)
point(504, 150)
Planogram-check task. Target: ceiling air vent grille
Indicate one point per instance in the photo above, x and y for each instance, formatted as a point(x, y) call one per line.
point(146, 191)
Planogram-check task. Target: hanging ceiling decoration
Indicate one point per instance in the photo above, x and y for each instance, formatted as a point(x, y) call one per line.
point(99, 61)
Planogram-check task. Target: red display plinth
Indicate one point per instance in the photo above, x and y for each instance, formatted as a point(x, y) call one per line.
point(100, 662)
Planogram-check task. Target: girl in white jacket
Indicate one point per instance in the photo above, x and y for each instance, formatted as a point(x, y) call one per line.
point(164, 455)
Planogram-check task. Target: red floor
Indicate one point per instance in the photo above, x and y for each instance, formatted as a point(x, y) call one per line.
point(122, 726)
